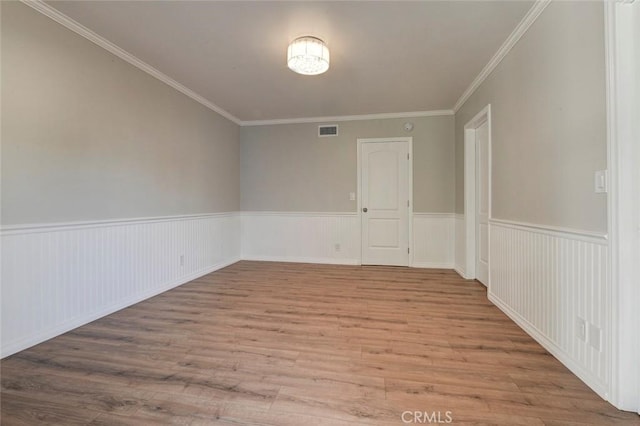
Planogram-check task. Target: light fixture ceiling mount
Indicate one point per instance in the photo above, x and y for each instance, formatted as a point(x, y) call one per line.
point(308, 56)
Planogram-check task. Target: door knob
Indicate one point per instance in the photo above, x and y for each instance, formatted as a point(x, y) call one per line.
point(364, 209)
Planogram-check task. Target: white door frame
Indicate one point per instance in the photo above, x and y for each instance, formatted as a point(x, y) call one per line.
point(622, 19)
point(359, 183)
point(470, 191)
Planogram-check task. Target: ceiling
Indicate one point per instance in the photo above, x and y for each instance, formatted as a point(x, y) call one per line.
point(386, 56)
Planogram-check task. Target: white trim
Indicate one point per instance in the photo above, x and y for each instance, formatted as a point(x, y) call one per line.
point(80, 29)
point(549, 345)
point(623, 201)
point(434, 113)
point(470, 203)
point(506, 47)
point(461, 272)
point(358, 196)
point(556, 231)
point(60, 226)
point(459, 237)
point(409, 140)
point(470, 189)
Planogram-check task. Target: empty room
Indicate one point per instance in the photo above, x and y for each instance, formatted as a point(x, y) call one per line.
point(320, 212)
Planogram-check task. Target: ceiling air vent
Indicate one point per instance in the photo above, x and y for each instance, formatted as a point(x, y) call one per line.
point(328, 130)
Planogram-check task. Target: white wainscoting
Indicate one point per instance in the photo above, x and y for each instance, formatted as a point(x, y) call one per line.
point(313, 237)
point(545, 279)
point(301, 237)
point(433, 240)
point(460, 245)
point(58, 277)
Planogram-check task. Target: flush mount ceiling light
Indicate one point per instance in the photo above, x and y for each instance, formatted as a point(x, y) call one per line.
point(308, 55)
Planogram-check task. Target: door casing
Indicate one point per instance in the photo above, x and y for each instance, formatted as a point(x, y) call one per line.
point(470, 177)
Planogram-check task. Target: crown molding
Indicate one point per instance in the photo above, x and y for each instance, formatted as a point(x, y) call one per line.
point(61, 18)
point(523, 26)
point(381, 116)
point(80, 29)
point(506, 47)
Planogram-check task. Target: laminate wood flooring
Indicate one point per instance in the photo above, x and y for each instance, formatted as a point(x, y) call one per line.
point(264, 343)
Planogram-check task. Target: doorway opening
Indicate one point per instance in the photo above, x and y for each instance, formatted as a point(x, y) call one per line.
point(477, 196)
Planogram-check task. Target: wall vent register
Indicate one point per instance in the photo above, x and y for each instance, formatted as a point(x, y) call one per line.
point(328, 130)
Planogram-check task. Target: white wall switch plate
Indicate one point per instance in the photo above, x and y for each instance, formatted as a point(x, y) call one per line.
point(352, 196)
point(601, 181)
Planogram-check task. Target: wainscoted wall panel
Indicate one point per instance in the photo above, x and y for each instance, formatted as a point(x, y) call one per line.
point(301, 237)
point(58, 277)
point(549, 281)
point(433, 240)
point(460, 245)
point(335, 238)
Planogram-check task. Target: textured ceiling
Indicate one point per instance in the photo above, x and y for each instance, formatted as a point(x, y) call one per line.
point(386, 56)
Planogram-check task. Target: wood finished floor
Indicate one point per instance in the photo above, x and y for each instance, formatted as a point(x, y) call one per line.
point(299, 344)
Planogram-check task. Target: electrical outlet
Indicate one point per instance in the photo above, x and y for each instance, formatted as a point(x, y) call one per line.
point(594, 337)
point(581, 329)
point(337, 247)
point(182, 260)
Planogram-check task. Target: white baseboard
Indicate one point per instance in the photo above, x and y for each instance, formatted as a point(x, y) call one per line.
point(461, 272)
point(432, 265)
point(565, 358)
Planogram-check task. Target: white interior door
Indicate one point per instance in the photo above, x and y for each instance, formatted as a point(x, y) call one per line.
point(385, 199)
point(482, 203)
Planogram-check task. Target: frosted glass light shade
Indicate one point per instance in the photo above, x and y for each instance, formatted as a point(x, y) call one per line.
point(308, 56)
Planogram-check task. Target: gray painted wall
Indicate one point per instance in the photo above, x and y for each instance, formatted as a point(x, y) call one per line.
point(549, 122)
point(87, 136)
point(289, 168)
